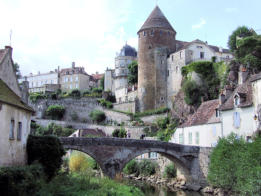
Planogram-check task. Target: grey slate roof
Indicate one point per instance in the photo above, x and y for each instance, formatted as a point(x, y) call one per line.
point(157, 20)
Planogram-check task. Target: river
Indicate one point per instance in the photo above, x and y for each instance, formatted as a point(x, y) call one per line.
point(151, 190)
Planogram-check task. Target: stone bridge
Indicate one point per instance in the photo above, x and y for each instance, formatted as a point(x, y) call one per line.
point(112, 154)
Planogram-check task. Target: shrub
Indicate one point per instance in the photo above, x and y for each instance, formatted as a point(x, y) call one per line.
point(86, 92)
point(23, 180)
point(147, 167)
point(56, 112)
point(170, 171)
point(34, 97)
point(96, 90)
point(48, 151)
point(162, 122)
point(119, 133)
point(75, 93)
point(97, 116)
point(165, 134)
point(105, 103)
point(131, 167)
point(236, 165)
point(78, 162)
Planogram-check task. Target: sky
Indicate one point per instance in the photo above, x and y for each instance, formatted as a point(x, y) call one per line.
point(46, 34)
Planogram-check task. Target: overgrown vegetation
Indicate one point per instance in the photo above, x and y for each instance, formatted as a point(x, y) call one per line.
point(133, 73)
point(151, 112)
point(34, 97)
point(144, 167)
point(51, 129)
point(97, 116)
point(236, 165)
point(166, 128)
point(75, 93)
point(121, 133)
point(48, 151)
point(170, 171)
point(106, 104)
point(56, 112)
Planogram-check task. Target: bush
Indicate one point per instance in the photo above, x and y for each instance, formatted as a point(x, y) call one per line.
point(236, 165)
point(48, 151)
point(96, 90)
point(119, 133)
point(165, 134)
point(97, 116)
point(24, 180)
point(78, 162)
point(162, 122)
point(75, 93)
point(192, 93)
point(147, 167)
point(56, 112)
point(151, 112)
point(131, 167)
point(34, 97)
point(170, 171)
point(105, 103)
point(86, 92)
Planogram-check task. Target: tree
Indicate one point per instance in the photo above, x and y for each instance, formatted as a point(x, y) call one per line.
point(102, 83)
point(240, 32)
point(133, 72)
point(17, 70)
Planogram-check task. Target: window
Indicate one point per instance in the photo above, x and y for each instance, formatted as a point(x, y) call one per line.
point(76, 85)
point(64, 79)
point(236, 117)
point(236, 100)
point(11, 132)
point(19, 131)
point(202, 55)
point(70, 86)
point(152, 32)
point(172, 58)
point(71, 78)
point(199, 47)
point(190, 137)
point(144, 33)
point(217, 113)
point(197, 138)
point(181, 139)
point(76, 78)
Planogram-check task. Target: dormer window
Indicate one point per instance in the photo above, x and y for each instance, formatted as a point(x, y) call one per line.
point(217, 113)
point(236, 100)
point(144, 33)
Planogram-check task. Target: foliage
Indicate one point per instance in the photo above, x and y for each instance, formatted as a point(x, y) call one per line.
point(151, 112)
point(78, 162)
point(102, 83)
point(108, 96)
point(240, 32)
point(192, 93)
point(147, 167)
point(222, 71)
point(83, 184)
point(75, 93)
point(149, 132)
point(97, 116)
point(96, 95)
point(119, 133)
point(166, 134)
point(86, 92)
point(56, 112)
point(17, 70)
point(170, 171)
point(105, 103)
point(96, 90)
point(162, 122)
point(133, 73)
point(19, 181)
point(132, 167)
point(48, 151)
point(236, 165)
point(51, 129)
point(74, 116)
point(252, 62)
point(34, 97)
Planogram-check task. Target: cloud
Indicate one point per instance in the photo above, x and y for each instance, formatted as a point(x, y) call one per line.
point(47, 34)
point(200, 24)
point(231, 10)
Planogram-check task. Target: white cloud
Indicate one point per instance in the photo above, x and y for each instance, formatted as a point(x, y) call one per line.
point(51, 33)
point(231, 10)
point(200, 24)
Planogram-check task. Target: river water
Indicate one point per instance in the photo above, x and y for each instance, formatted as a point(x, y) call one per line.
point(151, 190)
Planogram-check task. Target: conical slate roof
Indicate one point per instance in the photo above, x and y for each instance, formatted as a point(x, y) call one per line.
point(158, 20)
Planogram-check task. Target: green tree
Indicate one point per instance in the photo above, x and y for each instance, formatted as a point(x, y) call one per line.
point(17, 70)
point(56, 112)
point(102, 83)
point(240, 32)
point(133, 72)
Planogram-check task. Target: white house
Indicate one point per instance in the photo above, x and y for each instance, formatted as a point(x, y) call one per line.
point(237, 112)
point(203, 128)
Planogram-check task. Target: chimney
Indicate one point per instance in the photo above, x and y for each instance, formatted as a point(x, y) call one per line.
point(10, 49)
point(25, 90)
point(73, 65)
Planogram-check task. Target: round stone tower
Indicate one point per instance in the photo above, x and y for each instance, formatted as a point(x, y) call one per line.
point(156, 42)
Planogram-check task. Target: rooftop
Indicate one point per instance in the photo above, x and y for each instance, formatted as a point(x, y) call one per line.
point(204, 114)
point(157, 20)
point(9, 97)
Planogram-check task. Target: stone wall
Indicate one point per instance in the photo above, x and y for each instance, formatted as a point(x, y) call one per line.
point(136, 132)
point(126, 107)
point(153, 118)
point(116, 116)
point(82, 107)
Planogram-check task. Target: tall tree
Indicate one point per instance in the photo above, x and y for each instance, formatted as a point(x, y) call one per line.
point(17, 70)
point(133, 73)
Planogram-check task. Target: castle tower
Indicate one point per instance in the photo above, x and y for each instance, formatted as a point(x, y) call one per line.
point(156, 42)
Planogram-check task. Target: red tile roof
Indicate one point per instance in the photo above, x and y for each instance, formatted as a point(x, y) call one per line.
point(204, 114)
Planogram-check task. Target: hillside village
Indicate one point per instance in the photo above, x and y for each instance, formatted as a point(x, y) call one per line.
point(189, 93)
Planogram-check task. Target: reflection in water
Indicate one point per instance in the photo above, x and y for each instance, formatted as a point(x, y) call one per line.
point(150, 190)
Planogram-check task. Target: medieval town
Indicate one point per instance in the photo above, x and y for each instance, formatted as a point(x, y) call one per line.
point(167, 117)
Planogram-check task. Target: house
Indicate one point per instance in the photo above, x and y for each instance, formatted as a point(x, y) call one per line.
point(15, 115)
point(203, 128)
point(237, 112)
point(74, 78)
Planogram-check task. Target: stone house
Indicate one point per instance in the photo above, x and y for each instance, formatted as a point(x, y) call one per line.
point(15, 115)
point(203, 128)
point(74, 78)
